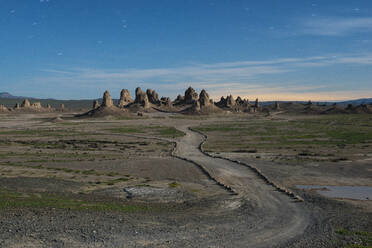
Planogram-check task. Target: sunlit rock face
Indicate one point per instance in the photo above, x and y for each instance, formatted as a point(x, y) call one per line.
point(152, 96)
point(107, 100)
point(125, 98)
point(95, 104)
point(204, 99)
point(26, 104)
point(190, 96)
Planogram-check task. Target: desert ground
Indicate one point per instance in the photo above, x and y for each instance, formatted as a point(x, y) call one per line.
point(173, 180)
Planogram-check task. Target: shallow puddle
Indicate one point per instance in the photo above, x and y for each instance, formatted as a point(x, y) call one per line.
point(350, 192)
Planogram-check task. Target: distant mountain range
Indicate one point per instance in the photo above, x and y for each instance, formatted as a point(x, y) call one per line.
point(345, 103)
point(358, 101)
point(9, 96)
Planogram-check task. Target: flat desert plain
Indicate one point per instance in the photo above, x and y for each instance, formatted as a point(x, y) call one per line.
point(173, 180)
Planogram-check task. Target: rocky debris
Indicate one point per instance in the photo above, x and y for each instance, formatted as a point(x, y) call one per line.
point(349, 109)
point(57, 119)
point(36, 105)
point(335, 109)
point(26, 104)
point(49, 106)
point(360, 109)
point(152, 96)
point(204, 99)
point(95, 104)
point(107, 100)
point(190, 96)
point(17, 106)
point(125, 98)
point(140, 114)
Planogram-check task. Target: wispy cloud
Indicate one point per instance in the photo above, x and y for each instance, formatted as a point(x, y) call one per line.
point(247, 78)
point(337, 26)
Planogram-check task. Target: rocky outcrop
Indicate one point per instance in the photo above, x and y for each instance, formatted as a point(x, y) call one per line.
point(202, 106)
point(227, 102)
point(152, 96)
point(190, 96)
point(107, 100)
point(180, 98)
point(95, 104)
point(3, 108)
point(166, 101)
point(106, 109)
point(196, 106)
point(204, 99)
point(230, 101)
point(26, 104)
point(256, 103)
point(239, 101)
point(277, 106)
point(125, 98)
point(26, 107)
point(146, 103)
point(141, 98)
point(238, 105)
point(36, 105)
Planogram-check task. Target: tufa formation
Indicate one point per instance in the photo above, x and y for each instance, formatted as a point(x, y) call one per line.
point(107, 100)
point(125, 98)
point(190, 96)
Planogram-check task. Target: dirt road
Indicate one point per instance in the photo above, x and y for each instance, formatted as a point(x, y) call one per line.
point(256, 215)
point(278, 217)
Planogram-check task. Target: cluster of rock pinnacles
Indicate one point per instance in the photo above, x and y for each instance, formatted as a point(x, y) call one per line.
point(190, 102)
point(36, 106)
point(197, 102)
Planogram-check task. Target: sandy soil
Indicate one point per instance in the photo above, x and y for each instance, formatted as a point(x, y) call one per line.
point(149, 198)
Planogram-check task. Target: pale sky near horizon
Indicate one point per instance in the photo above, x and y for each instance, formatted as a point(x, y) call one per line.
point(267, 49)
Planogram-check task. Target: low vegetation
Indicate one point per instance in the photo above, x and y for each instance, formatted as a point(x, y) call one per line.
point(308, 138)
point(355, 239)
point(13, 200)
point(161, 131)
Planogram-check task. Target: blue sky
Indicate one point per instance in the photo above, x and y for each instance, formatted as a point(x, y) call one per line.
point(270, 49)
